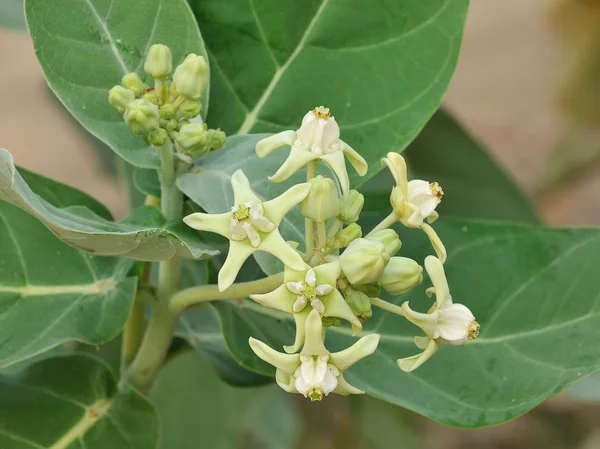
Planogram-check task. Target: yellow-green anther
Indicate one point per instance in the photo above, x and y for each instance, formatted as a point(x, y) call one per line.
point(351, 207)
point(322, 202)
point(119, 98)
point(190, 109)
point(389, 238)
point(347, 236)
point(141, 116)
point(364, 261)
point(359, 303)
point(401, 275)
point(192, 136)
point(158, 137)
point(134, 83)
point(159, 61)
point(167, 112)
point(192, 76)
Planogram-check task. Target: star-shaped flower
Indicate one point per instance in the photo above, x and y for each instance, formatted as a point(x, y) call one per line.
point(251, 226)
point(315, 372)
point(306, 290)
point(445, 322)
point(317, 139)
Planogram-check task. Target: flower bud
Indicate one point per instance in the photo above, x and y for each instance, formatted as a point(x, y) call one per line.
point(190, 109)
point(331, 321)
point(134, 83)
point(359, 303)
point(152, 96)
point(364, 261)
point(346, 236)
point(401, 275)
point(159, 61)
point(216, 139)
point(171, 125)
point(158, 137)
point(192, 137)
point(192, 76)
point(322, 202)
point(389, 238)
point(167, 112)
point(351, 207)
point(141, 116)
point(119, 98)
point(372, 290)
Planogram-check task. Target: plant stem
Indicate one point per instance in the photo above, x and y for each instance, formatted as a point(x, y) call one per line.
point(171, 198)
point(133, 333)
point(321, 236)
point(203, 293)
point(387, 306)
point(311, 171)
point(385, 223)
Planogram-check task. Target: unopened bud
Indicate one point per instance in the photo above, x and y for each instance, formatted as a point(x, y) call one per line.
point(389, 238)
point(401, 275)
point(192, 137)
point(372, 290)
point(171, 125)
point(192, 76)
point(322, 202)
point(167, 112)
point(152, 96)
point(330, 321)
point(359, 303)
point(351, 207)
point(134, 83)
point(119, 98)
point(364, 261)
point(190, 109)
point(216, 139)
point(141, 116)
point(158, 137)
point(346, 236)
point(159, 61)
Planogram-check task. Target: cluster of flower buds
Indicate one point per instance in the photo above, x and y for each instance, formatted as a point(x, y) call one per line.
point(340, 274)
point(168, 111)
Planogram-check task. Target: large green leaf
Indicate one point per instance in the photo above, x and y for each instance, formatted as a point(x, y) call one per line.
point(382, 66)
point(51, 293)
point(474, 185)
point(73, 403)
point(85, 48)
point(533, 290)
point(144, 236)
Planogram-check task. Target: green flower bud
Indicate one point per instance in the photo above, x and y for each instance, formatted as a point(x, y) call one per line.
point(152, 96)
point(372, 290)
point(216, 139)
point(119, 98)
point(331, 321)
point(401, 275)
point(322, 202)
point(192, 137)
point(364, 261)
point(141, 116)
point(171, 125)
point(158, 137)
point(389, 238)
point(351, 207)
point(167, 112)
point(359, 303)
point(159, 61)
point(192, 76)
point(346, 236)
point(134, 83)
point(190, 109)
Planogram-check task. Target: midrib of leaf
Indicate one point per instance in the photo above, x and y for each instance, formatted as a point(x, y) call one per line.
point(107, 33)
point(252, 117)
point(100, 286)
point(92, 415)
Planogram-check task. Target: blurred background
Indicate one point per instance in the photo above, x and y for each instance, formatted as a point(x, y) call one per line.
point(527, 87)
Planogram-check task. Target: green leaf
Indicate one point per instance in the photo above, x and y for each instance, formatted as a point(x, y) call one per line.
point(68, 213)
point(51, 293)
point(474, 185)
point(12, 15)
point(73, 402)
point(382, 67)
point(85, 48)
point(146, 180)
point(535, 294)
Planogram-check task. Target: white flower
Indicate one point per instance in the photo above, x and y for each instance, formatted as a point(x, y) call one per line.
point(317, 139)
point(309, 291)
point(251, 226)
point(445, 321)
point(315, 372)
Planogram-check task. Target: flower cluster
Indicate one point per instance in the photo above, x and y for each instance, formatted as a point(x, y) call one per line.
point(168, 112)
point(340, 273)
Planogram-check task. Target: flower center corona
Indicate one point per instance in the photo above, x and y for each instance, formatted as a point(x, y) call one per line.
point(473, 330)
point(315, 394)
point(436, 190)
point(242, 213)
point(321, 112)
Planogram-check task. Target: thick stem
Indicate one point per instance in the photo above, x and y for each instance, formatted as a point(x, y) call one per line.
point(133, 333)
point(387, 306)
point(321, 236)
point(203, 293)
point(171, 198)
point(311, 171)
point(385, 223)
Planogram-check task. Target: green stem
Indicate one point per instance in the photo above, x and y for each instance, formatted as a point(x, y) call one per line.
point(311, 171)
point(387, 306)
point(321, 236)
point(335, 228)
point(385, 223)
point(133, 333)
point(204, 293)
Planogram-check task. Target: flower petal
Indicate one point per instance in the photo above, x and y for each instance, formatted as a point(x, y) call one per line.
point(328, 273)
point(297, 159)
point(276, 208)
point(344, 388)
point(285, 362)
point(237, 255)
point(435, 270)
point(242, 192)
point(300, 319)
point(357, 161)
point(280, 299)
point(274, 244)
point(336, 306)
point(359, 350)
point(409, 364)
point(217, 223)
point(338, 165)
point(269, 144)
point(426, 321)
point(285, 381)
point(313, 344)
point(397, 166)
point(437, 244)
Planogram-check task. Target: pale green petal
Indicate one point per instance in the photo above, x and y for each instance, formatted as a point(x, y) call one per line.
point(426, 321)
point(409, 364)
point(437, 244)
point(285, 381)
point(397, 166)
point(359, 350)
point(242, 192)
point(357, 161)
point(285, 362)
point(435, 270)
point(276, 208)
point(269, 144)
point(300, 319)
point(313, 344)
point(280, 299)
point(344, 388)
point(338, 165)
point(336, 306)
point(217, 223)
point(290, 275)
point(297, 159)
point(328, 273)
point(422, 342)
point(274, 244)
point(237, 255)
